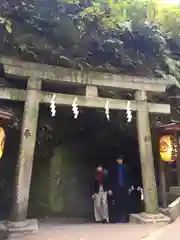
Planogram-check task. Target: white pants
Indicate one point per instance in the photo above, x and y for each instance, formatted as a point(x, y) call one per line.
point(101, 207)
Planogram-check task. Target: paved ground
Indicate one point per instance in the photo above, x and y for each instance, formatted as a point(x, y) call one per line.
point(56, 231)
point(166, 233)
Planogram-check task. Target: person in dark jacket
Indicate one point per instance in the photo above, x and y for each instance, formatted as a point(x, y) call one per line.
point(101, 191)
point(119, 186)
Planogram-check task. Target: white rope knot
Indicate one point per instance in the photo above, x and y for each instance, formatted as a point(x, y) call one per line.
point(53, 106)
point(75, 108)
point(129, 111)
point(107, 110)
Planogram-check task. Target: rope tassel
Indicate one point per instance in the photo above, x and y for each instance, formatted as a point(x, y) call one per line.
point(129, 111)
point(75, 108)
point(107, 110)
point(53, 106)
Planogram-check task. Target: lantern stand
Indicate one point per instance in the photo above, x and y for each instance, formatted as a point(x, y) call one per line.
point(165, 170)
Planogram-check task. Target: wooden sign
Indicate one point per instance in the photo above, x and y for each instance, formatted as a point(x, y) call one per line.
point(2, 141)
point(168, 148)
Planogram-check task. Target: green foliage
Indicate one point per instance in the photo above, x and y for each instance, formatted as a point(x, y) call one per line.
point(7, 24)
point(119, 13)
point(153, 20)
point(119, 36)
point(169, 18)
point(113, 14)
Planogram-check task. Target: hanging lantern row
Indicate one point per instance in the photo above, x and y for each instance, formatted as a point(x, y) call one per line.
point(75, 109)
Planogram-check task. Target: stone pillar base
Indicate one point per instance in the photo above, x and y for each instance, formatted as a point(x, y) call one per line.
point(149, 218)
point(29, 225)
point(4, 234)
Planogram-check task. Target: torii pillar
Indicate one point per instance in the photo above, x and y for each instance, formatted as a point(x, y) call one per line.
point(151, 213)
point(146, 154)
point(25, 159)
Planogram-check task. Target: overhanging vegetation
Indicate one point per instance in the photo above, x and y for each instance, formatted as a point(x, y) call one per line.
point(134, 37)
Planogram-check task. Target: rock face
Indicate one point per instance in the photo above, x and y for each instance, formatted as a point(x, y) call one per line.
point(64, 187)
point(69, 183)
point(58, 36)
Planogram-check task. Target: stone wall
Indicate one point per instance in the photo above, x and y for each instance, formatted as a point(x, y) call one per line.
point(64, 188)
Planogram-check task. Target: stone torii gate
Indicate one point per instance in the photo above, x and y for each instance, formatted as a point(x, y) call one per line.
point(35, 74)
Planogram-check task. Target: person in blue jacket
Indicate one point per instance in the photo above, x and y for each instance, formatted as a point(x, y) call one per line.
point(119, 186)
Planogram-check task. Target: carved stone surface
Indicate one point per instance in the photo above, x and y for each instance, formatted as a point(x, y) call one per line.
point(3, 231)
point(149, 218)
point(26, 154)
point(29, 225)
point(25, 69)
point(146, 154)
point(67, 99)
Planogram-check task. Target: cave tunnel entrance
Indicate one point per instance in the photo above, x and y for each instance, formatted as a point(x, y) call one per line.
point(8, 162)
point(67, 153)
